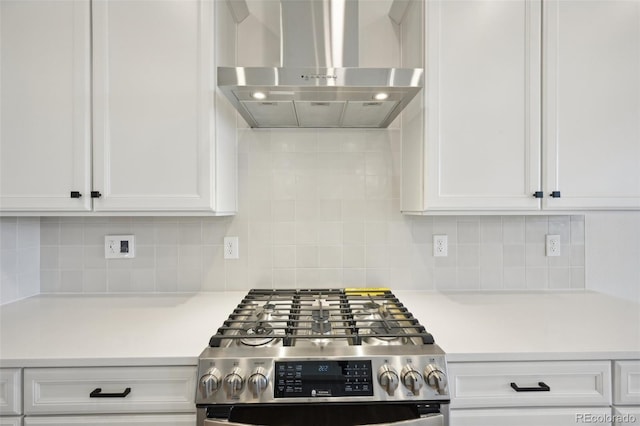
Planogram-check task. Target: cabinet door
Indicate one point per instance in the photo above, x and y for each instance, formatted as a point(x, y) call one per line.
point(153, 105)
point(531, 416)
point(592, 104)
point(483, 104)
point(499, 384)
point(10, 421)
point(626, 416)
point(128, 420)
point(45, 105)
point(129, 390)
point(10, 391)
point(626, 383)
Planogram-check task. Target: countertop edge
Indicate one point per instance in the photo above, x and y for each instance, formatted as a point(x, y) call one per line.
point(180, 361)
point(543, 356)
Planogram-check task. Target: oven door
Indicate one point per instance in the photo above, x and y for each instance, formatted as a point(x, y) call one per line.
point(430, 420)
point(401, 414)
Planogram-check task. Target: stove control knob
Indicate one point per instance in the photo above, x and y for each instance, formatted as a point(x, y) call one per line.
point(258, 382)
point(388, 379)
point(234, 383)
point(210, 383)
point(435, 378)
point(411, 379)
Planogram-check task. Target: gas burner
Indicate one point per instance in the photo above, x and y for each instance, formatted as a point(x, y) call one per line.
point(257, 334)
point(321, 327)
point(371, 306)
point(320, 321)
point(386, 332)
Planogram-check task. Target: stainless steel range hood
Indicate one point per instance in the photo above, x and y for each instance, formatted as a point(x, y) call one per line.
point(319, 83)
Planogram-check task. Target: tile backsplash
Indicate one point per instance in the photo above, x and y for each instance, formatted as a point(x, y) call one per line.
point(19, 258)
point(316, 208)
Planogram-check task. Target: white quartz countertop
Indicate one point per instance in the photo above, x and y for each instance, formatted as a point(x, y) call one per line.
point(80, 330)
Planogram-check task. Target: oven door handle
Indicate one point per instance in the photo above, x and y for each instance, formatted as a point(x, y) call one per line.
point(432, 420)
point(429, 420)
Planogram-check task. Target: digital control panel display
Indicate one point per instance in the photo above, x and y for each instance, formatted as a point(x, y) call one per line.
point(308, 379)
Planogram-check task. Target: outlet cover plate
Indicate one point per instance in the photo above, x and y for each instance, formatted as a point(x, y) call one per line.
point(231, 249)
point(553, 245)
point(119, 247)
point(440, 246)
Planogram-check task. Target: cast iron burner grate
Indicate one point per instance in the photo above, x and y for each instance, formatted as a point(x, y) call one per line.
point(320, 317)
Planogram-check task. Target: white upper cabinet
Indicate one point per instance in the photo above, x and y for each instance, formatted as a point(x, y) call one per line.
point(481, 139)
point(521, 98)
point(45, 95)
point(145, 137)
point(591, 105)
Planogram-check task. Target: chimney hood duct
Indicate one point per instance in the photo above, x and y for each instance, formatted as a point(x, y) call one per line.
point(319, 83)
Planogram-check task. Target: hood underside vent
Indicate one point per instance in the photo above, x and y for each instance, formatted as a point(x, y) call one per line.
point(320, 83)
point(287, 97)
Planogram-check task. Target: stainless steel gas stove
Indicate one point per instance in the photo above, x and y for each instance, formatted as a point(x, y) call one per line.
point(322, 357)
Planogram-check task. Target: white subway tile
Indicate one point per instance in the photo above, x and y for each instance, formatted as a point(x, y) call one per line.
point(306, 257)
point(95, 281)
point(513, 230)
point(468, 279)
point(330, 233)
point(560, 278)
point(468, 255)
point(330, 256)
point(284, 256)
point(354, 277)
point(143, 280)
point(284, 278)
point(377, 256)
point(537, 278)
point(283, 210)
point(354, 256)
point(468, 232)
point(71, 281)
point(376, 233)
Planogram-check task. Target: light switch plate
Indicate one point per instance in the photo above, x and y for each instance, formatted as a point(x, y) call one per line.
point(119, 247)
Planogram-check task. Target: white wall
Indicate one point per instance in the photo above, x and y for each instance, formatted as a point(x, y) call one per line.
point(612, 243)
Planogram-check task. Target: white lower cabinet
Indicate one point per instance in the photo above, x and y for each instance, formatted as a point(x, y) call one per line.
point(10, 396)
point(625, 416)
point(626, 393)
point(626, 383)
point(536, 393)
point(133, 420)
point(531, 416)
point(123, 396)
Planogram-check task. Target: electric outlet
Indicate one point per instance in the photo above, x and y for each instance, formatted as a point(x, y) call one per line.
point(440, 246)
point(553, 245)
point(119, 247)
point(231, 250)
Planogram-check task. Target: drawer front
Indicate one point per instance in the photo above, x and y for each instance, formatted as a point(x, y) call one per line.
point(10, 391)
point(109, 390)
point(115, 419)
point(531, 417)
point(570, 383)
point(626, 383)
point(10, 421)
point(626, 416)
